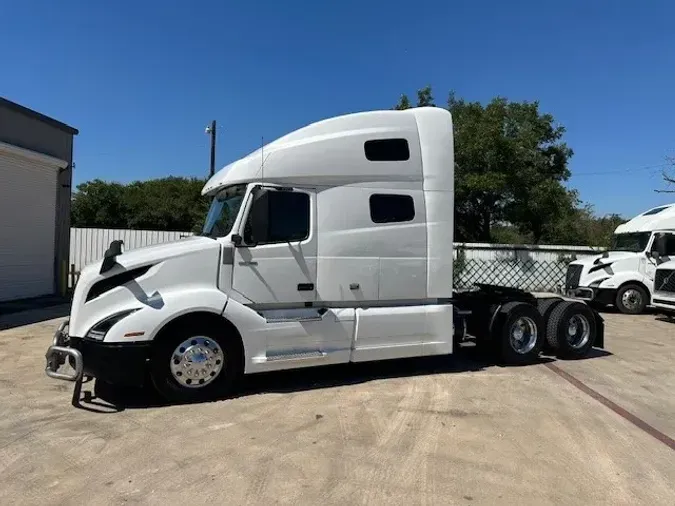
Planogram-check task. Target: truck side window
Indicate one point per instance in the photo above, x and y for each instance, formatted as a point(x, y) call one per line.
point(287, 218)
point(670, 245)
point(387, 208)
point(387, 150)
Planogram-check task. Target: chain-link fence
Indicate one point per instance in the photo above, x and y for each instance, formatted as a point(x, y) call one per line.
point(528, 268)
point(529, 275)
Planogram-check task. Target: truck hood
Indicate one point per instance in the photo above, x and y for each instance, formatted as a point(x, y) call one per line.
point(149, 255)
point(611, 257)
point(141, 274)
point(603, 268)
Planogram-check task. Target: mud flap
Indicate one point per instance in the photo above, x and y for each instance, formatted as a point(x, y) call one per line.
point(600, 326)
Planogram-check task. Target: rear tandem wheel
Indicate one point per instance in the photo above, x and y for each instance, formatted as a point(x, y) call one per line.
point(519, 333)
point(571, 329)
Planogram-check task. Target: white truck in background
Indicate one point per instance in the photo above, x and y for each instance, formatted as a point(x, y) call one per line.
point(332, 244)
point(624, 275)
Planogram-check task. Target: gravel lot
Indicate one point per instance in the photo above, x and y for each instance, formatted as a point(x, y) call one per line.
point(435, 431)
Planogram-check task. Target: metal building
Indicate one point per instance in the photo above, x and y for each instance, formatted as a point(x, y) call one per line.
point(36, 159)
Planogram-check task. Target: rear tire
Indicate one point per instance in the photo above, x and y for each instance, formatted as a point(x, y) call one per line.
point(194, 363)
point(545, 307)
point(571, 330)
point(631, 299)
point(519, 333)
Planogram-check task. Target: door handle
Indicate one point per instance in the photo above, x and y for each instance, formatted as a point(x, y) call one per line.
point(248, 263)
point(305, 287)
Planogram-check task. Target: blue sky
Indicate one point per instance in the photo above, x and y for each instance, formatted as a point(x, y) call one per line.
point(141, 80)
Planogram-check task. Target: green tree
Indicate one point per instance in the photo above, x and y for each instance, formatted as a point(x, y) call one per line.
point(403, 103)
point(581, 227)
point(425, 98)
point(172, 203)
point(510, 163)
point(99, 204)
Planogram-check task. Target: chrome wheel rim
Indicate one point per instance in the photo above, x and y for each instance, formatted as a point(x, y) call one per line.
point(523, 335)
point(631, 299)
point(196, 362)
point(578, 331)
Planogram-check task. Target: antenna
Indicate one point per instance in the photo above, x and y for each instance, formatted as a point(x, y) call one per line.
point(262, 158)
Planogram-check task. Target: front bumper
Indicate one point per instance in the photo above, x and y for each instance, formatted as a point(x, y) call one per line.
point(662, 302)
point(119, 363)
point(600, 295)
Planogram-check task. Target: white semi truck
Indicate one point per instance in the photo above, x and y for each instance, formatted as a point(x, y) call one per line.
point(332, 244)
point(624, 276)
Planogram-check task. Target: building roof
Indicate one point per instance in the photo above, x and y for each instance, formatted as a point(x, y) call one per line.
point(38, 116)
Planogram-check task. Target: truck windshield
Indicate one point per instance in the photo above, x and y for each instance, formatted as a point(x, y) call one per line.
point(635, 241)
point(223, 211)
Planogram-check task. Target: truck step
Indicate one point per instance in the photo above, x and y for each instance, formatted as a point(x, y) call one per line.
point(293, 315)
point(303, 355)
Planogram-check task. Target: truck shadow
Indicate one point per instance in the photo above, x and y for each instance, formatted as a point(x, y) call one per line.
point(666, 318)
point(107, 398)
point(16, 316)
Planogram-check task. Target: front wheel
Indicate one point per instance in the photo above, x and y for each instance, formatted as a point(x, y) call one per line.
point(194, 364)
point(631, 299)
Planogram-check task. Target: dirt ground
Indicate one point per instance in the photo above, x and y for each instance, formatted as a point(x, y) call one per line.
point(450, 430)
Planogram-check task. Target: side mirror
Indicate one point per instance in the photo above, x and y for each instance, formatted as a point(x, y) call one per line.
point(236, 239)
point(655, 255)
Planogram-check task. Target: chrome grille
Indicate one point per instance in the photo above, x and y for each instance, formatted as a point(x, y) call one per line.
point(664, 280)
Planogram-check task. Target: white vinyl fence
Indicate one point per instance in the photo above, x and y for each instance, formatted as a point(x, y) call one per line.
point(531, 267)
point(87, 245)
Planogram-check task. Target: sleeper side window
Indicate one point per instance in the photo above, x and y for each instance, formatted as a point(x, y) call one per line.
point(387, 150)
point(277, 217)
point(388, 208)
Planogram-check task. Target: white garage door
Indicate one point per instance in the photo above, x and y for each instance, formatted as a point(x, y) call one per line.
point(27, 223)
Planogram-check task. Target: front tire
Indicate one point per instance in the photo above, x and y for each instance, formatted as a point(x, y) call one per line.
point(631, 299)
point(194, 363)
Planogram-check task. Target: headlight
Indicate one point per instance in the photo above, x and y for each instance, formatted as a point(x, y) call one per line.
point(99, 330)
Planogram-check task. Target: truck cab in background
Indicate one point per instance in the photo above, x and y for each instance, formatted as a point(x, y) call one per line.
point(624, 275)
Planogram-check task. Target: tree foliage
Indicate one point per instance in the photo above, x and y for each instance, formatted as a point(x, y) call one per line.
point(511, 163)
point(171, 203)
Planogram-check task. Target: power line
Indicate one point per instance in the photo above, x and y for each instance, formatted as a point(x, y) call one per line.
point(618, 171)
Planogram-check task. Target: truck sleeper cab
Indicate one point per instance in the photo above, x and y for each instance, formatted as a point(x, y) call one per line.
point(332, 244)
point(623, 276)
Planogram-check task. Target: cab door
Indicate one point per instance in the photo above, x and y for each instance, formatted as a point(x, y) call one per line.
point(662, 250)
point(276, 248)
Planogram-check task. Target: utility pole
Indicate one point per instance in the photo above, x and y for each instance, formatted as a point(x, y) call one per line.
point(212, 130)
